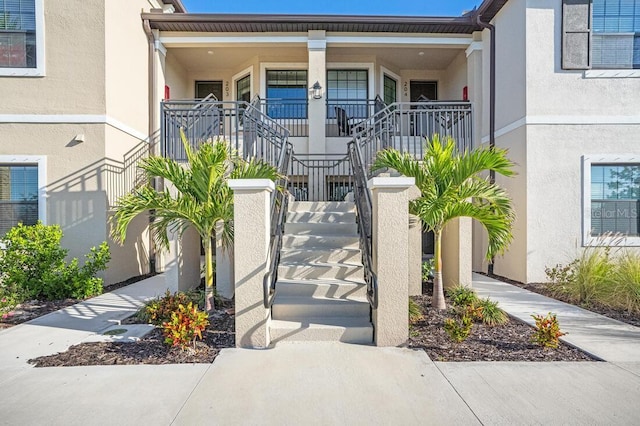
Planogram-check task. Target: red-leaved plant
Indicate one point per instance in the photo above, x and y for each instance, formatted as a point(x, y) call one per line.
point(186, 325)
point(547, 330)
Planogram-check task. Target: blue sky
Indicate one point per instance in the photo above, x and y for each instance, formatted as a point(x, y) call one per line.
point(340, 7)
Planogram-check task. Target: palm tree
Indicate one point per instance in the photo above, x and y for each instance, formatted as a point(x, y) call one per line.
point(200, 197)
point(451, 187)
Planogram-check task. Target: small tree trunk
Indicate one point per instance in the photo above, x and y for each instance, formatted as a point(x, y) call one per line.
point(208, 276)
point(437, 301)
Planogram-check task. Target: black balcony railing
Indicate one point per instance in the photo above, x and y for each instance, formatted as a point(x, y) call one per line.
point(293, 114)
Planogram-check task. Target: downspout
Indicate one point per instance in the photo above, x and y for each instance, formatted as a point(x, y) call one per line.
point(492, 95)
point(152, 111)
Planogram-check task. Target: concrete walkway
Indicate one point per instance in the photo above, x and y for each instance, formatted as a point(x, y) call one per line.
point(296, 383)
point(603, 337)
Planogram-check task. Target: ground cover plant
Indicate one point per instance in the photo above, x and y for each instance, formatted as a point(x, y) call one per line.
point(33, 267)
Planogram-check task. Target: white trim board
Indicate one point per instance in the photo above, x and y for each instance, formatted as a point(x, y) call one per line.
point(73, 119)
point(41, 162)
point(566, 120)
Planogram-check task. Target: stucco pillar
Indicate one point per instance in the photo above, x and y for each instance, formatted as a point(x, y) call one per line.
point(390, 198)
point(317, 47)
point(182, 261)
point(224, 266)
point(252, 221)
point(457, 253)
point(415, 248)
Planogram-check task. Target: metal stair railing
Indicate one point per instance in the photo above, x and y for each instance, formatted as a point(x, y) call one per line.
point(406, 125)
point(364, 210)
point(279, 208)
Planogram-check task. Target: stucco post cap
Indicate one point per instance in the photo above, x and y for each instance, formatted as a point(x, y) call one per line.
point(401, 182)
point(252, 185)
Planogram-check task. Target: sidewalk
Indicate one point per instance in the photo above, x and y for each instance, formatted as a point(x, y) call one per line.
point(57, 331)
point(603, 337)
point(312, 383)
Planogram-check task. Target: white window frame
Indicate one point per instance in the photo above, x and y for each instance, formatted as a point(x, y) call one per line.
point(369, 66)
point(587, 162)
point(396, 77)
point(41, 162)
point(39, 70)
point(234, 80)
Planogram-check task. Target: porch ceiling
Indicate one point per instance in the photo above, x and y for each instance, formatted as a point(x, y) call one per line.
point(234, 58)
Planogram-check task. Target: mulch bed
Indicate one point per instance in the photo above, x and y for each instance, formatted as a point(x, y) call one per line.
point(543, 289)
point(508, 342)
point(149, 350)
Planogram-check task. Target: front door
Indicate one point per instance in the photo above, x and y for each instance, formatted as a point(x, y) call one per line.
point(419, 88)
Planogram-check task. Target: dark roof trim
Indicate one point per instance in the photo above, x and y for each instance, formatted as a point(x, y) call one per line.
point(177, 4)
point(209, 22)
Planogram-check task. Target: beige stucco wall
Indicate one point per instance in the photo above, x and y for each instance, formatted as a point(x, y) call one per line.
point(75, 69)
point(455, 79)
point(126, 63)
point(514, 262)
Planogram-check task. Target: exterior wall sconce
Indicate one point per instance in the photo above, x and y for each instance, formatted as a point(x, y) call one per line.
point(316, 90)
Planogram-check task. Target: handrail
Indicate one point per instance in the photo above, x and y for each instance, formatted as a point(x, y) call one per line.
point(279, 206)
point(405, 125)
point(364, 208)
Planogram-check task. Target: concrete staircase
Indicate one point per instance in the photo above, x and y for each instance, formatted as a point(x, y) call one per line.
point(321, 294)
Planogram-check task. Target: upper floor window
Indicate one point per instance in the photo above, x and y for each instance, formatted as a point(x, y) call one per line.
point(206, 88)
point(616, 34)
point(21, 37)
point(287, 93)
point(243, 88)
point(349, 90)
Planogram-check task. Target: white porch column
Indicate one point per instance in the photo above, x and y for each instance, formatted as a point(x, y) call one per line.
point(474, 87)
point(224, 266)
point(317, 46)
point(457, 245)
point(252, 222)
point(390, 198)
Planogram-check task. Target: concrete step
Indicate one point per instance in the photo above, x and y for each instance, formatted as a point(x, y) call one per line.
point(348, 330)
point(336, 289)
point(321, 206)
point(321, 229)
point(321, 255)
point(300, 307)
point(317, 270)
point(321, 217)
point(326, 242)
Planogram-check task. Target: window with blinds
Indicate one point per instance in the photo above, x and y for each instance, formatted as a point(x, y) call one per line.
point(615, 199)
point(616, 34)
point(18, 196)
point(17, 34)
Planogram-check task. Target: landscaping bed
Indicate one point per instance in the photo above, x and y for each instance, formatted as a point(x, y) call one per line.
point(149, 350)
point(507, 342)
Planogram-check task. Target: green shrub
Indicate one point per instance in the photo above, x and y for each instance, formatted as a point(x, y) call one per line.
point(185, 326)
point(427, 269)
point(624, 290)
point(33, 265)
point(159, 310)
point(491, 314)
point(547, 330)
point(415, 312)
point(462, 296)
point(458, 330)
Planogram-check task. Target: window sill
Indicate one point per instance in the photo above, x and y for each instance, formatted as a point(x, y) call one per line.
point(21, 72)
point(619, 73)
point(612, 242)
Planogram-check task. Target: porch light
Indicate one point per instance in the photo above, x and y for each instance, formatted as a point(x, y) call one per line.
point(316, 90)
